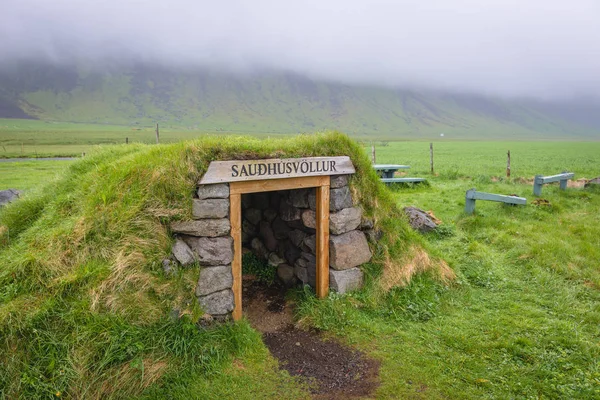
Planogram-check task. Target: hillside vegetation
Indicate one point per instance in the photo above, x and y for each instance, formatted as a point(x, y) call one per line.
point(273, 102)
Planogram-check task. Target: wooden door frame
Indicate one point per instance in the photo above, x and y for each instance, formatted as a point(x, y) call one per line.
point(236, 189)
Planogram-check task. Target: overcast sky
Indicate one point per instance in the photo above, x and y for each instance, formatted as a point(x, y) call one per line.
point(543, 48)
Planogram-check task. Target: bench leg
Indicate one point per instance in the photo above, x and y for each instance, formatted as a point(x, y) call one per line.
point(563, 184)
point(537, 185)
point(469, 206)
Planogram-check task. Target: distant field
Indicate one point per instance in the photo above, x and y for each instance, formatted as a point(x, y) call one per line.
point(27, 175)
point(475, 159)
point(33, 138)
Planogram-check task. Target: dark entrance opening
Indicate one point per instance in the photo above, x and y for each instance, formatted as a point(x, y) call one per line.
point(278, 239)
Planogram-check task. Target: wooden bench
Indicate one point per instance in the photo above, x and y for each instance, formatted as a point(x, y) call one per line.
point(473, 195)
point(388, 170)
point(402, 180)
point(540, 180)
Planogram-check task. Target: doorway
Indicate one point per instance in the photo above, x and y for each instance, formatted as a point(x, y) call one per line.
point(321, 185)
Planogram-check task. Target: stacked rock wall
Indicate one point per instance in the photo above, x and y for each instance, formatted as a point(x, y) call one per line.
point(207, 240)
point(278, 227)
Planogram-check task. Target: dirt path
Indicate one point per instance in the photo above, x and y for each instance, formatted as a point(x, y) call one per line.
point(333, 370)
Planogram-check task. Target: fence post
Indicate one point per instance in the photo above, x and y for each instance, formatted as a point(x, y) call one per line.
point(469, 202)
point(563, 182)
point(126, 140)
point(373, 153)
point(156, 133)
point(431, 157)
point(537, 185)
point(508, 166)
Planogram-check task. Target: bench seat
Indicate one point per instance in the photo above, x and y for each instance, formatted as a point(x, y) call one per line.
point(402, 180)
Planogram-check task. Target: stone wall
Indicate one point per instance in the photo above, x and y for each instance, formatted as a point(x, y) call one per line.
point(207, 240)
point(279, 227)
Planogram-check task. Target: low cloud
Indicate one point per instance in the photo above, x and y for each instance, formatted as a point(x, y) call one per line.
point(540, 48)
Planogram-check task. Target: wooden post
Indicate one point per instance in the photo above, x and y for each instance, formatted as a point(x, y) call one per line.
point(21, 148)
point(322, 226)
point(508, 165)
point(126, 140)
point(156, 133)
point(431, 157)
point(563, 182)
point(373, 154)
point(538, 182)
point(235, 219)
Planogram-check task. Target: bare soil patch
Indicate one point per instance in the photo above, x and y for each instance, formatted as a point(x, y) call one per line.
point(333, 370)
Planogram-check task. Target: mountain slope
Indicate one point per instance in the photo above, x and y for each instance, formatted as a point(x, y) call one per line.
point(275, 102)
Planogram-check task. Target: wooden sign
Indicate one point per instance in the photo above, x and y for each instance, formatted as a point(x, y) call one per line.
point(277, 168)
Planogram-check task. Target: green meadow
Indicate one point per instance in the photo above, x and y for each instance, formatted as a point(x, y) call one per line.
point(520, 320)
point(35, 138)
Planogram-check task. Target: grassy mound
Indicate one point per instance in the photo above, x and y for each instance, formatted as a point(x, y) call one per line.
point(84, 303)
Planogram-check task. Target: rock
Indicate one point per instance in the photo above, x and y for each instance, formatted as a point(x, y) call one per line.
point(311, 243)
point(210, 208)
point(285, 273)
point(348, 250)
point(339, 199)
point(260, 200)
point(214, 279)
point(419, 219)
point(217, 303)
point(373, 235)
point(275, 260)
point(591, 183)
point(267, 235)
point(253, 215)
point(182, 253)
point(280, 229)
point(216, 191)
point(300, 226)
point(304, 276)
point(296, 236)
point(337, 181)
point(202, 227)
point(248, 228)
point(205, 320)
point(290, 252)
point(345, 281)
point(270, 214)
point(312, 200)
point(169, 267)
point(309, 257)
point(309, 218)
point(366, 223)
point(344, 220)
point(301, 273)
point(211, 251)
point(301, 262)
point(288, 212)
point(259, 248)
point(8, 196)
point(299, 198)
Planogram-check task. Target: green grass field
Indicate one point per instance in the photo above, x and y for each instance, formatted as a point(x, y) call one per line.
point(34, 138)
point(521, 320)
